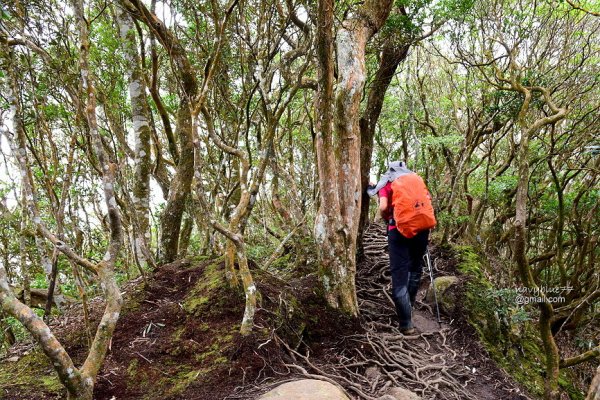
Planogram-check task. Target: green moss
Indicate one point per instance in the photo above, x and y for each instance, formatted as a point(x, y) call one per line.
point(133, 302)
point(195, 305)
point(484, 313)
point(504, 328)
point(32, 373)
point(204, 327)
point(182, 380)
point(470, 264)
point(215, 353)
point(210, 289)
point(565, 382)
point(177, 334)
point(220, 360)
point(52, 384)
point(132, 368)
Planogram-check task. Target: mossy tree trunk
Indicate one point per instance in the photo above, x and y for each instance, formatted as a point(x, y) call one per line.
point(179, 189)
point(141, 118)
point(338, 144)
point(527, 129)
point(392, 55)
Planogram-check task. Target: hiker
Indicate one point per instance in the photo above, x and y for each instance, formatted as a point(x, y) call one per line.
point(405, 203)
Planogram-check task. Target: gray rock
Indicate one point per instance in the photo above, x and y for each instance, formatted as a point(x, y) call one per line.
point(305, 389)
point(13, 359)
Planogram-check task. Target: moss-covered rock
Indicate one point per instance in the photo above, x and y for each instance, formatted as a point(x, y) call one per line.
point(445, 291)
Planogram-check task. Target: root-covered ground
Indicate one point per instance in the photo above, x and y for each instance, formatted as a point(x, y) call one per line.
point(441, 361)
point(177, 339)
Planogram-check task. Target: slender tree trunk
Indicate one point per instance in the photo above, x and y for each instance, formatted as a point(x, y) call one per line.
point(23, 251)
point(170, 220)
point(185, 235)
point(105, 268)
point(70, 376)
point(142, 132)
point(551, 391)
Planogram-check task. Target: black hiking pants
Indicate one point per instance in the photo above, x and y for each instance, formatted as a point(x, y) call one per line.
point(406, 266)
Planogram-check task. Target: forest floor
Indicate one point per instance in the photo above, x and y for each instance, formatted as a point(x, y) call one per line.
point(177, 339)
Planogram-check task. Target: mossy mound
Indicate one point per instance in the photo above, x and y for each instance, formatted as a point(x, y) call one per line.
point(444, 291)
point(31, 377)
point(191, 317)
point(506, 329)
point(176, 332)
point(178, 336)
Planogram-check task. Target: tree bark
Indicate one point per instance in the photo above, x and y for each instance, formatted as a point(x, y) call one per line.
point(594, 391)
point(140, 113)
point(70, 376)
point(105, 268)
point(338, 158)
point(79, 382)
point(527, 129)
point(170, 220)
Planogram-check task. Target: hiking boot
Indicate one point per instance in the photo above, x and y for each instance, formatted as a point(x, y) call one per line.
point(408, 331)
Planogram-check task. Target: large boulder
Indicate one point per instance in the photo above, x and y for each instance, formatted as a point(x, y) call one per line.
point(446, 294)
point(305, 389)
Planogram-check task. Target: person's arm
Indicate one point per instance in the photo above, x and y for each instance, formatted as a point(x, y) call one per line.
point(383, 208)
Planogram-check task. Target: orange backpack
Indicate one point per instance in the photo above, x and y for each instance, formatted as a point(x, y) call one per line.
point(413, 211)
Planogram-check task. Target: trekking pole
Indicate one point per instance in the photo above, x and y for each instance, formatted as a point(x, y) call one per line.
point(437, 307)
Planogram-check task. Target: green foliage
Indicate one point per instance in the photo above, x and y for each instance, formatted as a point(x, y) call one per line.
point(503, 103)
point(21, 334)
point(411, 23)
point(445, 218)
point(39, 281)
point(452, 142)
point(497, 189)
point(260, 251)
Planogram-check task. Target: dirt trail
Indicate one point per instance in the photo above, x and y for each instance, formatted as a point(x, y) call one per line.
point(443, 361)
point(440, 362)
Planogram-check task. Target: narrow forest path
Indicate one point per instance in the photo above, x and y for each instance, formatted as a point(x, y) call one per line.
point(441, 362)
point(446, 362)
